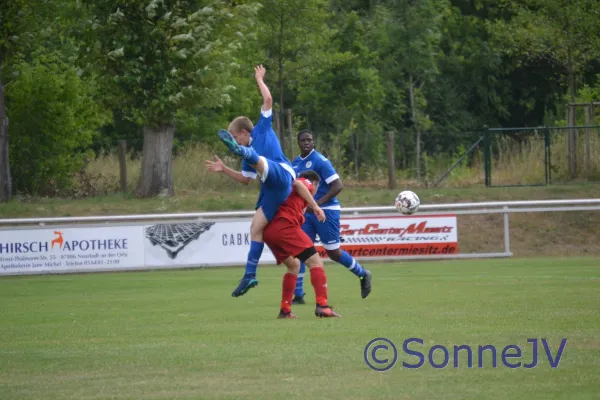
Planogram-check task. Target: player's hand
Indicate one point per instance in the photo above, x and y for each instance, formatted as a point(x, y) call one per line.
point(214, 166)
point(259, 72)
point(320, 214)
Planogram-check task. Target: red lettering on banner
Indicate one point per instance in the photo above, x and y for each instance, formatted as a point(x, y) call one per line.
point(373, 229)
point(382, 250)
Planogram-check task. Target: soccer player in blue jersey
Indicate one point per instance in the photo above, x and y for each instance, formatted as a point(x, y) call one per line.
point(263, 157)
point(329, 231)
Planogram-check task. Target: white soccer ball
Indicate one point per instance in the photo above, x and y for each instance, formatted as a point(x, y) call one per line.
point(407, 202)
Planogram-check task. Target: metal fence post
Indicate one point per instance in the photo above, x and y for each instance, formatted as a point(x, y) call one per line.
point(487, 162)
point(547, 154)
point(506, 231)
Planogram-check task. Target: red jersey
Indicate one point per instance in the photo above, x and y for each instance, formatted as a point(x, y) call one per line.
point(294, 206)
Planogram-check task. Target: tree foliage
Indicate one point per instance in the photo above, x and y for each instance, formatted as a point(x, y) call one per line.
point(435, 72)
point(54, 117)
point(565, 32)
point(162, 59)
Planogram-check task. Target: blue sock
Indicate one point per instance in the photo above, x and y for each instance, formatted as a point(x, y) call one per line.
point(250, 155)
point(300, 281)
point(347, 261)
point(254, 254)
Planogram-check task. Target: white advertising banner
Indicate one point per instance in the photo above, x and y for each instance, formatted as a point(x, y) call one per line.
point(202, 243)
point(397, 235)
point(207, 244)
point(70, 249)
point(400, 229)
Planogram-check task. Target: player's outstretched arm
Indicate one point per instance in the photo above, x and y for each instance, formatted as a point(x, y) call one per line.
point(259, 74)
point(219, 166)
point(306, 195)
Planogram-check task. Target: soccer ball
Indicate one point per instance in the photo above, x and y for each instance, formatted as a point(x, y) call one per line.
point(407, 202)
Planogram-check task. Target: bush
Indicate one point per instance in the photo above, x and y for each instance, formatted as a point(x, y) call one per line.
point(52, 118)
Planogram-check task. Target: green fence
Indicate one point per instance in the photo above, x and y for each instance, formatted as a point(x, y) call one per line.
point(541, 156)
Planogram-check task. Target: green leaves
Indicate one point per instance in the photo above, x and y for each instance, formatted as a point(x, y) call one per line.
point(560, 31)
point(53, 119)
point(165, 59)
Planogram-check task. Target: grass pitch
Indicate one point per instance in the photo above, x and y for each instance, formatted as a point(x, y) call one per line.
point(180, 334)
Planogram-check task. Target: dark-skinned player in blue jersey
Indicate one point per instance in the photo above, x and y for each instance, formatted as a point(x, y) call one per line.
point(329, 232)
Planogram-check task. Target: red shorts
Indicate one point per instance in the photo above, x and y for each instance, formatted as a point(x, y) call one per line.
point(285, 239)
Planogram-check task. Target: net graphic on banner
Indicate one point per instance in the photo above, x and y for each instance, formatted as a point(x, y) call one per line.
point(175, 237)
point(201, 243)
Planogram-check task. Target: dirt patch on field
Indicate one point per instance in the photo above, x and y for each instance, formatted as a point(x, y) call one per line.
point(532, 234)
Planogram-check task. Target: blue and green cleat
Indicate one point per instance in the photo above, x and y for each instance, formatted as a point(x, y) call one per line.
point(246, 283)
point(230, 142)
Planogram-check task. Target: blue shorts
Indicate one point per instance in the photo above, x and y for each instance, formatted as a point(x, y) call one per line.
point(275, 188)
point(328, 231)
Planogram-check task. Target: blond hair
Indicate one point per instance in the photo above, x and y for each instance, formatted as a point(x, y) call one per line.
point(241, 123)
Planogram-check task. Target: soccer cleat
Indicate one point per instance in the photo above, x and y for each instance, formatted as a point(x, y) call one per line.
point(284, 315)
point(325, 312)
point(365, 284)
point(298, 300)
point(246, 283)
point(230, 142)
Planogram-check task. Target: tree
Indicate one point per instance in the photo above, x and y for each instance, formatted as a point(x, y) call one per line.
point(346, 96)
point(15, 25)
point(407, 35)
point(30, 30)
point(161, 60)
point(5, 175)
point(54, 117)
point(566, 32)
point(295, 36)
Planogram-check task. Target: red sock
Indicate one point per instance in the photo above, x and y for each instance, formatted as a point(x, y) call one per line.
point(319, 284)
point(287, 291)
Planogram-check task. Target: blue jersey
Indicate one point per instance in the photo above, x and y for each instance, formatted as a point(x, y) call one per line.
point(317, 162)
point(265, 142)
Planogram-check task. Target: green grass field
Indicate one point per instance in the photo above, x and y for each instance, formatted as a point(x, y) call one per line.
point(179, 335)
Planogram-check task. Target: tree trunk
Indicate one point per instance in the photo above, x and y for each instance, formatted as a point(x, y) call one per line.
point(572, 134)
point(291, 135)
point(280, 82)
point(356, 149)
point(411, 92)
point(5, 177)
point(156, 175)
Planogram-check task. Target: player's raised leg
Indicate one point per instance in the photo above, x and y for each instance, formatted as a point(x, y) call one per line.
point(259, 163)
point(245, 152)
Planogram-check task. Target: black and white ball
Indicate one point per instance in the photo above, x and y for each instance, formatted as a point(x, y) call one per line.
point(407, 202)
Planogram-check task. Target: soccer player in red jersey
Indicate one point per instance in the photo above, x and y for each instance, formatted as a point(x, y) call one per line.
point(291, 245)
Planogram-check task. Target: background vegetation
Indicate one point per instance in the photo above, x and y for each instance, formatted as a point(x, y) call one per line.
point(165, 75)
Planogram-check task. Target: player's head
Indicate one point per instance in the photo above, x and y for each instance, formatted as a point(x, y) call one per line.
point(240, 129)
point(313, 177)
point(305, 142)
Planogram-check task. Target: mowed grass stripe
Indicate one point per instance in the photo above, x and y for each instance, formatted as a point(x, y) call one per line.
point(180, 334)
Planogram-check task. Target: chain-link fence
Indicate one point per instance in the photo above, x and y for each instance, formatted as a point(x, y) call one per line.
point(541, 156)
